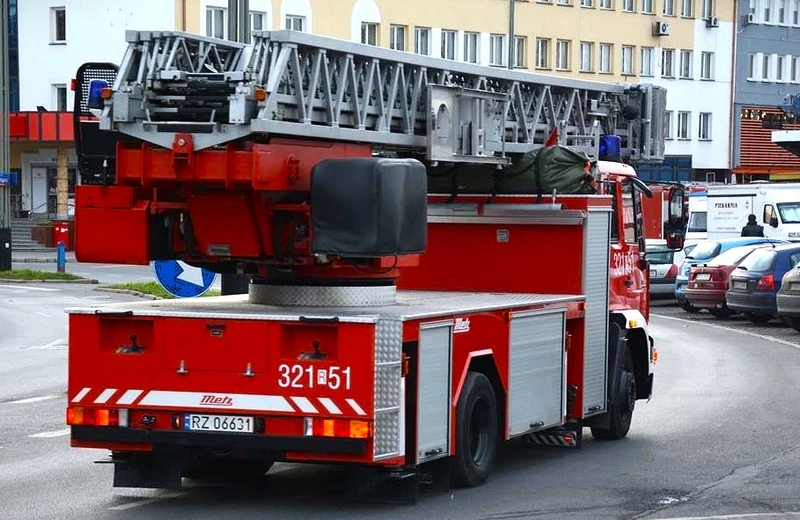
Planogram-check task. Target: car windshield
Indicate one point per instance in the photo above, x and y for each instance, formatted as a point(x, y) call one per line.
point(731, 256)
point(790, 212)
point(659, 256)
point(705, 249)
point(697, 222)
point(760, 260)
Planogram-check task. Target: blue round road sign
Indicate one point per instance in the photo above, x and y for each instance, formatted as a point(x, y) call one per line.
point(181, 279)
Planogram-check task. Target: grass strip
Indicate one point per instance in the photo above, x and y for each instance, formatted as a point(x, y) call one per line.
point(151, 288)
point(30, 274)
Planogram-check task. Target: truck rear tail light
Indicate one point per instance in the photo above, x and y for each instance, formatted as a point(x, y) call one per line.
point(766, 283)
point(77, 416)
point(346, 428)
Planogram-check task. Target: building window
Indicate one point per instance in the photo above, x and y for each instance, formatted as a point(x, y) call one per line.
point(258, 21)
point(668, 63)
point(422, 40)
point(686, 64)
point(562, 55)
point(708, 9)
point(627, 60)
point(449, 44)
point(767, 12)
point(58, 25)
point(217, 22)
point(628, 5)
point(779, 67)
point(497, 49)
point(606, 4)
point(707, 65)
point(765, 67)
point(587, 51)
point(795, 12)
point(519, 51)
point(668, 125)
point(669, 7)
point(687, 10)
point(795, 77)
point(60, 97)
point(647, 6)
point(542, 53)
point(564, 2)
point(296, 23)
point(704, 133)
point(751, 66)
point(781, 11)
point(397, 37)
point(646, 68)
point(683, 125)
point(606, 56)
point(471, 40)
point(587, 3)
point(369, 33)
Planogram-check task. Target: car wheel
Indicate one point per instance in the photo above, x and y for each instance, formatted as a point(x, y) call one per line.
point(757, 319)
point(794, 323)
point(722, 314)
point(688, 307)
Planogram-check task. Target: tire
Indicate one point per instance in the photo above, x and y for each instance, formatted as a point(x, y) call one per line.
point(688, 307)
point(757, 319)
point(620, 410)
point(794, 323)
point(477, 432)
point(722, 314)
point(226, 469)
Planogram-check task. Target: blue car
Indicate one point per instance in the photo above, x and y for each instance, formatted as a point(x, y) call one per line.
point(756, 281)
point(705, 251)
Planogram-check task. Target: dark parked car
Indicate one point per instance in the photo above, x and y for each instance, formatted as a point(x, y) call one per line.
point(709, 282)
point(757, 280)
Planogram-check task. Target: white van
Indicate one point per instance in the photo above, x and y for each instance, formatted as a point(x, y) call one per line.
point(775, 205)
point(696, 229)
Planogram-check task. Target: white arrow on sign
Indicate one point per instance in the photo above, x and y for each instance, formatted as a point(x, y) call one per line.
point(190, 274)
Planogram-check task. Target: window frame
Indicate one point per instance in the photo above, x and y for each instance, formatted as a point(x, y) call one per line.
point(685, 53)
point(707, 69)
point(475, 49)
point(627, 71)
point(394, 29)
point(54, 25)
point(562, 43)
point(419, 42)
point(370, 31)
point(290, 21)
point(671, 54)
point(582, 67)
point(610, 47)
point(704, 129)
point(649, 52)
point(449, 49)
point(679, 134)
point(497, 44)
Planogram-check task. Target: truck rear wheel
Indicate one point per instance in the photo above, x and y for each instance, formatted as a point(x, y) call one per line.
point(476, 432)
point(620, 409)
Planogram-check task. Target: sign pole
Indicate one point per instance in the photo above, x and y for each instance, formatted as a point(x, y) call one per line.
point(5, 105)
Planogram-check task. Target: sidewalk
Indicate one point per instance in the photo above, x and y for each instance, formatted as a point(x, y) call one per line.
point(35, 257)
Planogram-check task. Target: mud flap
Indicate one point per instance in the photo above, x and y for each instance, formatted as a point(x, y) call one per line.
point(155, 472)
point(397, 486)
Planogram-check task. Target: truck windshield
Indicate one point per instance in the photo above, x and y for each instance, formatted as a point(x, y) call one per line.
point(697, 222)
point(790, 212)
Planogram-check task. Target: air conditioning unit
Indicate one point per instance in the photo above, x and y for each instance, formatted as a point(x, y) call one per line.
point(750, 19)
point(712, 21)
point(660, 29)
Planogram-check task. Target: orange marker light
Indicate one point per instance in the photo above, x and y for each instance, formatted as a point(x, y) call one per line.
point(260, 94)
point(360, 429)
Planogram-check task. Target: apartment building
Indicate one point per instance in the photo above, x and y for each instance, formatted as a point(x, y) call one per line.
point(767, 72)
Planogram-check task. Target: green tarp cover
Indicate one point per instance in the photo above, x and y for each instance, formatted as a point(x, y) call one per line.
point(541, 171)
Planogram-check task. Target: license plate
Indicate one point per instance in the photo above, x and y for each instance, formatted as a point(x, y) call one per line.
point(653, 272)
point(794, 286)
point(217, 423)
point(740, 285)
point(703, 277)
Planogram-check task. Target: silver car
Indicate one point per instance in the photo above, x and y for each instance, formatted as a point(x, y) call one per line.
point(665, 264)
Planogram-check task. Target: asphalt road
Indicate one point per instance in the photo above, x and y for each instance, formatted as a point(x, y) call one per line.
point(720, 437)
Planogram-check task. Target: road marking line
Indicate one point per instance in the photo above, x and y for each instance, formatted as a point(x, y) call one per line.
point(50, 435)
point(25, 287)
point(140, 503)
point(43, 314)
point(732, 329)
point(742, 515)
point(37, 399)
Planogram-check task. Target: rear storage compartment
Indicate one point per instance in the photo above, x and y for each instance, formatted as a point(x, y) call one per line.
point(267, 388)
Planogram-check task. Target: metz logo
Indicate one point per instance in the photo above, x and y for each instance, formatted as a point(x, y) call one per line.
point(462, 325)
point(216, 400)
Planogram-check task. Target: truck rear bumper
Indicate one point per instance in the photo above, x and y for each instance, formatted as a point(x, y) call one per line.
point(182, 439)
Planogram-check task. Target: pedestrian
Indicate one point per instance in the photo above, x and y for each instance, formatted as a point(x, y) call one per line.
point(752, 229)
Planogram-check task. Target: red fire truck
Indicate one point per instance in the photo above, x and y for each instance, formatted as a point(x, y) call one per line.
point(387, 325)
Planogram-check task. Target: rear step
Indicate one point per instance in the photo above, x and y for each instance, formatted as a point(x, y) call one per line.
point(570, 436)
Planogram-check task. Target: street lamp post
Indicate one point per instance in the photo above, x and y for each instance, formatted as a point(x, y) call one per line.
point(5, 175)
point(511, 16)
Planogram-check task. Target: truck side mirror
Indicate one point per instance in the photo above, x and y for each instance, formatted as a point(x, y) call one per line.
point(773, 222)
point(675, 240)
point(676, 215)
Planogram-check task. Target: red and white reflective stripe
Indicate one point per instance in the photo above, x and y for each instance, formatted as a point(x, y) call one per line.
point(218, 401)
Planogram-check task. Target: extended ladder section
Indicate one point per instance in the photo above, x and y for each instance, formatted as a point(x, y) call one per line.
point(296, 84)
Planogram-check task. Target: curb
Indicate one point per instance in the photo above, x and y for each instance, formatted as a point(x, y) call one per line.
point(33, 260)
point(129, 292)
point(82, 280)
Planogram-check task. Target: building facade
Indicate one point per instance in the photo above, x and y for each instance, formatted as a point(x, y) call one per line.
point(767, 72)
